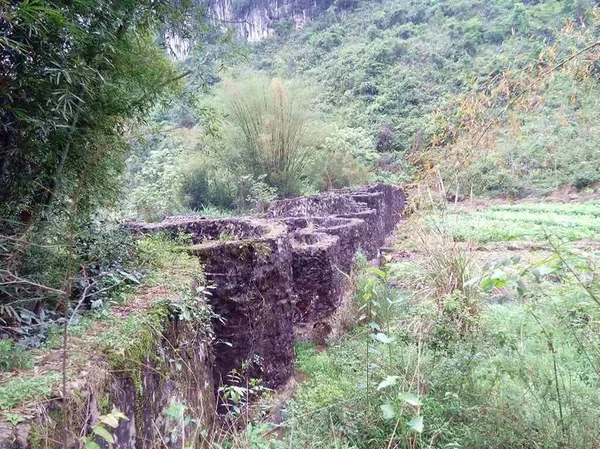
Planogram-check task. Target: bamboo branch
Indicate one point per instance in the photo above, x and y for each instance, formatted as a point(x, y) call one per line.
point(524, 91)
point(20, 280)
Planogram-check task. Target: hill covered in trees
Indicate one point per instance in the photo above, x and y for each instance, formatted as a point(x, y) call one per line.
point(420, 75)
point(493, 98)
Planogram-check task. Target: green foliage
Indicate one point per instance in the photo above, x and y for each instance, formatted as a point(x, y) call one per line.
point(102, 431)
point(203, 190)
point(284, 27)
point(27, 388)
point(253, 192)
point(13, 357)
point(521, 372)
point(75, 76)
point(253, 436)
point(269, 143)
point(156, 188)
point(270, 133)
point(400, 70)
point(343, 159)
point(522, 222)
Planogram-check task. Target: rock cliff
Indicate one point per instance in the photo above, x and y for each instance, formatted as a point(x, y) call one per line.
point(258, 19)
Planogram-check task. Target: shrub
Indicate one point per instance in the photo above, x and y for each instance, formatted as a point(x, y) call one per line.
point(585, 179)
point(156, 189)
point(327, 40)
point(342, 159)
point(270, 132)
point(284, 27)
point(13, 357)
point(446, 266)
point(202, 188)
point(252, 193)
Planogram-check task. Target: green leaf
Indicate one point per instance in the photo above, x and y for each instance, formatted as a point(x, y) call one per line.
point(382, 338)
point(374, 325)
point(496, 280)
point(14, 418)
point(487, 284)
point(541, 271)
point(376, 271)
point(410, 398)
point(388, 382)
point(416, 424)
point(103, 433)
point(119, 415)
point(175, 411)
point(92, 445)
point(521, 288)
point(110, 420)
point(388, 412)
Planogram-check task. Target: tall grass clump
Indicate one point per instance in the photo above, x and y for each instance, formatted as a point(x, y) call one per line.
point(271, 134)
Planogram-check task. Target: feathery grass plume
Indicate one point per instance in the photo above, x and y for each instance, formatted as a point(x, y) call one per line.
point(272, 133)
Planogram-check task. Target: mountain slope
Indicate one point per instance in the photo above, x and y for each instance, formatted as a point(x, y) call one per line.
point(393, 66)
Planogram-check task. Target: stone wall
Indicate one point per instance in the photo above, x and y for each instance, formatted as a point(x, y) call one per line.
point(281, 268)
point(143, 390)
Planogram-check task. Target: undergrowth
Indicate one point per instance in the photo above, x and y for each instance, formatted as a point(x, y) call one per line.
point(479, 351)
point(27, 388)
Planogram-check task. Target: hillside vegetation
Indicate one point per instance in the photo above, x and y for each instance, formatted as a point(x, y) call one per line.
point(425, 79)
point(475, 334)
point(464, 97)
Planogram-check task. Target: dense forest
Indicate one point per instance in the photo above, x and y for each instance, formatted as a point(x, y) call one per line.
point(118, 111)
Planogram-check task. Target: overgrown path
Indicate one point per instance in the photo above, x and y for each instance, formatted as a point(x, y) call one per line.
point(480, 331)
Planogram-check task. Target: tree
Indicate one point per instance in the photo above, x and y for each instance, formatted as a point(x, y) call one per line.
point(73, 74)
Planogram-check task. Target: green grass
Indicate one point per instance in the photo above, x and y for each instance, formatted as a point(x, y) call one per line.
point(13, 357)
point(124, 341)
point(495, 388)
point(591, 208)
point(523, 374)
point(24, 389)
point(522, 222)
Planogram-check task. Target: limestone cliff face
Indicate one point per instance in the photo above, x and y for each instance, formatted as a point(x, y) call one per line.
point(257, 19)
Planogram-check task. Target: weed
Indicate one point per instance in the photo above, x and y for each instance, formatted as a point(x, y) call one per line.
point(13, 357)
point(465, 369)
point(27, 388)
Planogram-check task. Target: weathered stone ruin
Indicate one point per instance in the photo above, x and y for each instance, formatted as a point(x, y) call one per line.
point(272, 273)
point(281, 268)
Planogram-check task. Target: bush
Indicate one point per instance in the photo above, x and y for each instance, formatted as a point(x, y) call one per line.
point(270, 133)
point(284, 27)
point(327, 40)
point(342, 159)
point(13, 357)
point(252, 193)
point(585, 179)
point(202, 189)
point(156, 187)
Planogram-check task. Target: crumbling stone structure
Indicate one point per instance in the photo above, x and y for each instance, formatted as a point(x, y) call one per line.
point(281, 268)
